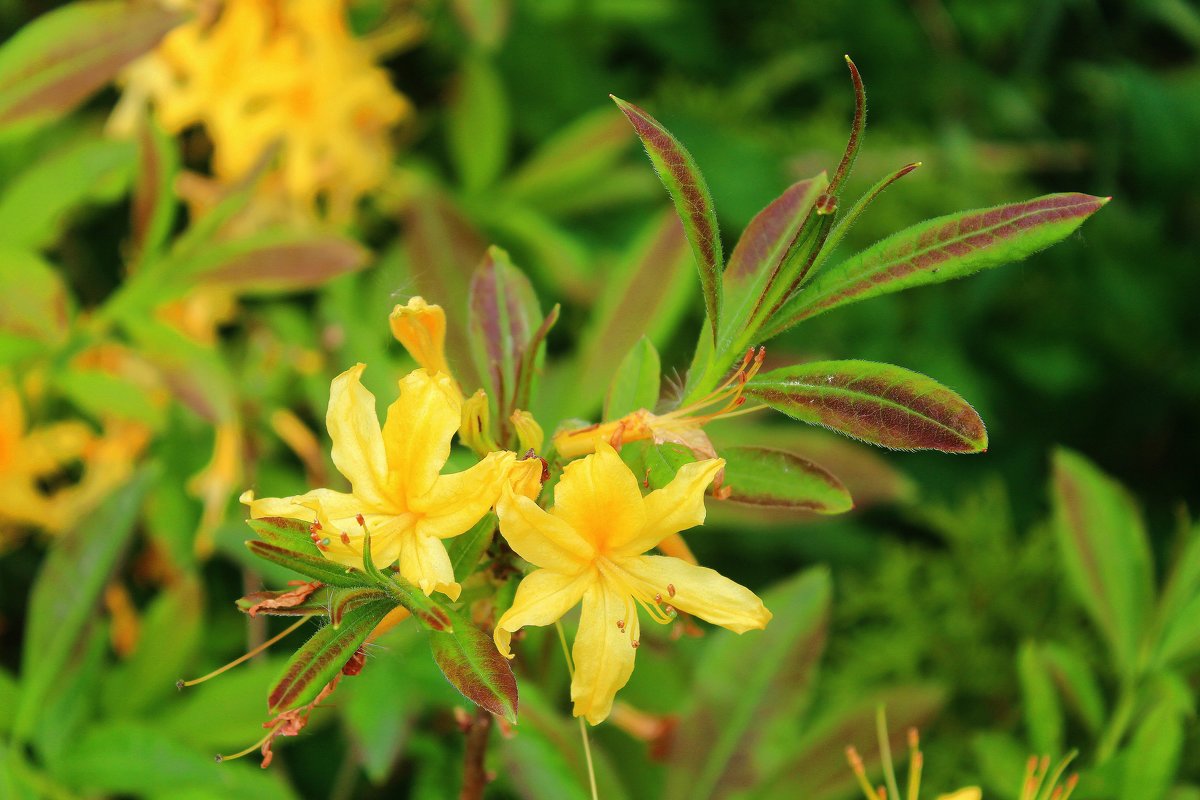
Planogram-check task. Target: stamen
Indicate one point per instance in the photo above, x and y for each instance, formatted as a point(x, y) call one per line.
point(671, 589)
point(270, 732)
point(620, 624)
point(182, 683)
point(345, 538)
point(635, 643)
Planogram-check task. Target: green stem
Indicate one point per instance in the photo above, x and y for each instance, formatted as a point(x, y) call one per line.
point(1117, 725)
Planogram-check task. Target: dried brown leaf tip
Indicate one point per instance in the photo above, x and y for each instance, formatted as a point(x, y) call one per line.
point(261, 602)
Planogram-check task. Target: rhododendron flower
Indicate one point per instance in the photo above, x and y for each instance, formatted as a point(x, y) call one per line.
point(590, 547)
point(397, 487)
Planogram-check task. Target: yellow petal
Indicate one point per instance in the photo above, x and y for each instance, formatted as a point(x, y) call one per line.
point(419, 427)
point(458, 501)
point(538, 537)
point(543, 596)
point(525, 477)
point(421, 328)
point(335, 504)
point(969, 793)
point(602, 653)
point(698, 590)
point(599, 497)
point(358, 450)
point(677, 506)
point(424, 561)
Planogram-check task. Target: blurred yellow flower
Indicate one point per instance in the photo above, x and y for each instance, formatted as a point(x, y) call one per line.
point(969, 793)
point(590, 547)
point(276, 71)
point(397, 490)
point(35, 462)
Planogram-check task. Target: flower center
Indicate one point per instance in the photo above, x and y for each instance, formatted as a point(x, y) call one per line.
point(636, 592)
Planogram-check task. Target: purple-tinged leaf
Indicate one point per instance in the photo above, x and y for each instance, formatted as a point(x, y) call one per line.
point(530, 369)
point(470, 661)
point(444, 248)
point(61, 58)
point(761, 252)
point(854, 143)
point(345, 601)
point(693, 202)
point(317, 568)
point(152, 207)
point(877, 403)
point(714, 747)
point(644, 297)
point(195, 373)
point(322, 657)
point(761, 476)
point(503, 313)
point(34, 301)
point(279, 261)
point(940, 250)
point(1105, 554)
point(585, 151)
point(817, 769)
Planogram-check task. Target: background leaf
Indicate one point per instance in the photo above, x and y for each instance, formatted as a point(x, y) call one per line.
point(636, 382)
point(760, 476)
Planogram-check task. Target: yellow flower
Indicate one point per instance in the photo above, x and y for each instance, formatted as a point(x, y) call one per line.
point(397, 487)
point(969, 793)
point(590, 547)
point(276, 71)
point(421, 328)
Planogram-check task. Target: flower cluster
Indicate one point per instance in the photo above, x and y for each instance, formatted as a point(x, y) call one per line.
point(590, 547)
point(276, 72)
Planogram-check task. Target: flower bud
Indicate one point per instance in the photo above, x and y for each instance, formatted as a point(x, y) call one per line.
point(421, 328)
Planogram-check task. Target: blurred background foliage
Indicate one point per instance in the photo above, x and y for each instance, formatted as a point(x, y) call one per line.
point(945, 594)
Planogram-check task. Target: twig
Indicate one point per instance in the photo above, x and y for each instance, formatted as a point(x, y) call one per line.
point(475, 777)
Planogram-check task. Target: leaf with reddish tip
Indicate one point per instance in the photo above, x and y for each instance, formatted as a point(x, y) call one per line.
point(503, 313)
point(470, 661)
point(760, 476)
point(877, 403)
point(61, 58)
point(293, 534)
point(940, 250)
point(761, 253)
point(345, 601)
point(278, 261)
point(693, 202)
point(322, 657)
point(153, 207)
point(857, 128)
point(1105, 553)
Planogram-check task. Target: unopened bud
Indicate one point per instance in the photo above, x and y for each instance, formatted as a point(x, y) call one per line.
point(421, 328)
point(529, 434)
point(476, 428)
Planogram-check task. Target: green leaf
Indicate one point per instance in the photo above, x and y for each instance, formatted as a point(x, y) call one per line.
point(238, 694)
point(102, 395)
point(693, 202)
point(581, 153)
point(939, 250)
point(655, 465)
point(760, 476)
point(59, 59)
point(65, 594)
point(130, 758)
point(877, 403)
point(1077, 684)
point(485, 20)
point(34, 302)
point(1151, 759)
point(197, 375)
point(171, 631)
point(715, 745)
point(814, 774)
point(636, 382)
point(322, 657)
point(313, 567)
point(293, 534)
point(643, 297)
point(470, 661)
point(478, 124)
point(1043, 713)
point(760, 256)
point(1105, 553)
point(34, 207)
point(466, 550)
point(504, 311)
point(153, 207)
point(344, 601)
point(8, 701)
point(1178, 635)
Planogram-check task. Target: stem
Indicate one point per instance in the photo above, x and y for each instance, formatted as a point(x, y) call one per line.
point(1117, 724)
point(475, 778)
point(587, 752)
